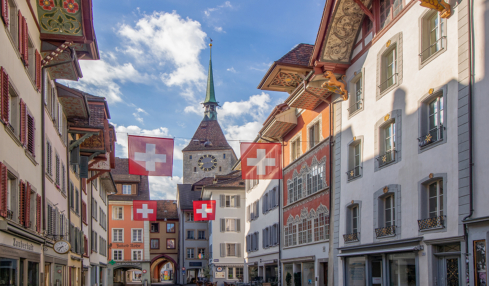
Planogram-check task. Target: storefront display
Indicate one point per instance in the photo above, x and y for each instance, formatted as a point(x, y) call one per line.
point(355, 271)
point(8, 271)
point(32, 273)
point(402, 269)
point(480, 263)
point(289, 269)
point(308, 277)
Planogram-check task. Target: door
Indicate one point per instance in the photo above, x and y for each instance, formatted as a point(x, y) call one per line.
point(325, 272)
point(448, 271)
point(376, 266)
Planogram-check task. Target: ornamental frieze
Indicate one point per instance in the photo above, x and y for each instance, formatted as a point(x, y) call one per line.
point(305, 214)
point(60, 17)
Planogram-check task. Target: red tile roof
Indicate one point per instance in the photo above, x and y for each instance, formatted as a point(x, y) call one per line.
point(299, 55)
point(166, 209)
point(208, 131)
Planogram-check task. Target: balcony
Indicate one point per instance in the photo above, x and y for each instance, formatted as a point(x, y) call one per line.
point(354, 173)
point(433, 136)
point(385, 231)
point(431, 223)
point(351, 237)
point(387, 158)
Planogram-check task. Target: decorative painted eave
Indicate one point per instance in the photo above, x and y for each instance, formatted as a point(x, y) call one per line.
point(64, 66)
point(73, 102)
point(281, 123)
point(68, 20)
point(308, 97)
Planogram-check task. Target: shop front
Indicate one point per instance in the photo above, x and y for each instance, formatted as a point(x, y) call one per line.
point(19, 261)
point(55, 267)
point(303, 271)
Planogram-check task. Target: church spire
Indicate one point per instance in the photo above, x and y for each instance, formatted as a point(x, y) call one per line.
point(210, 103)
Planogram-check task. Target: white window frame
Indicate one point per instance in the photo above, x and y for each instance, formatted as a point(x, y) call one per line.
point(440, 207)
point(295, 142)
point(231, 199)
point(228, 244)
point(133, 251)
point(318, 120)
point(391, 139)
point(390, 210)
point(354, 218)
point(115, 214)
point(114, 256)
point(187, 253)
point(113, 236)
point(227, 222)
point(132, 235)
point(126, 188)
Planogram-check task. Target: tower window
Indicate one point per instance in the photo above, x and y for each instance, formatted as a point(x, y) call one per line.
point(224, 156)
point(195, 169)
point(190, 157)
point(220, 169)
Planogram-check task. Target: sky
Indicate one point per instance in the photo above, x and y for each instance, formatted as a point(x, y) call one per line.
point(154, 61)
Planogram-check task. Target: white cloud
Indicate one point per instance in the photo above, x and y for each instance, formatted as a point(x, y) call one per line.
point(256, 107)
point(164, 188)
point(139, 109)
point(246, 132)
point(226, 4)
point(171, 41)
point(263, 67)
point(231, 69)
point(138, 118)
point(219, 29)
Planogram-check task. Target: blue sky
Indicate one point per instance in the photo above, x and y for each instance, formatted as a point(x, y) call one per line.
point(154, 62)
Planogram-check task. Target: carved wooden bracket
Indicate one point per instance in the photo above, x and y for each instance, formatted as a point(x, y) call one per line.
point(335, 85)
point(439, 5)
point(366, 10)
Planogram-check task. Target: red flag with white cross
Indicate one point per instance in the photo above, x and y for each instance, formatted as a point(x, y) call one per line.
point(150, 156)
point(144, 210)
point(204, 210)
point(261, 161)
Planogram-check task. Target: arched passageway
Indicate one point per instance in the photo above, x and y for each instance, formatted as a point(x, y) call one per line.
point(126, 274)
point(163, 269)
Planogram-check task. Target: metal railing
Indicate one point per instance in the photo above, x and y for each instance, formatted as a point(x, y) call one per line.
point(355, 106)
point(385, 231)
point(10, 214)
point(429, 49)
point(433, 136)
point(386, 84)
point(386, 158)
point(432, 222)
point(354, 173)
point(351, 237)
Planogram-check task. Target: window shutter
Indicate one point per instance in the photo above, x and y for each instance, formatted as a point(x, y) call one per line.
point(257, 238)
point(238, 225)
point(223, 250)
point(223, 225)
point(23, 123)
point(276, 197)
point(21, 34)
point(5, 11)
point(38, 213)
point(27, 205)
point(257, 208)
point(263, 238)
point(38, 71)
point(237, 201)
point(222, 198)
point(237, 249)
point(82, 245)
point(25, 33)
point(263, 202)
point(4, 94)
point(3, 190)
point(31, 132)
point(248, 243)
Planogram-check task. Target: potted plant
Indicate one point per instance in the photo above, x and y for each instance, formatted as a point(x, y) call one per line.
point(288, 279)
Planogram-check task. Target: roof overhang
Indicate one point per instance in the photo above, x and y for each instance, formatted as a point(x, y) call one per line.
point(73, 102)
point(280, 124)
point(64, 66)
point(283, 77)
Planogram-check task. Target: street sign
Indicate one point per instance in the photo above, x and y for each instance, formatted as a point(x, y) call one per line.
point(112, 262)
point(144, 271)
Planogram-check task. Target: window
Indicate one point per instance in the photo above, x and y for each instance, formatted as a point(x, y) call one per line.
point(190, 234)
point(195, 169)
point(155, 227)
point(58, 170)
point(433, 35)
point(230, 225)
point(118, 235)
point(63, 179)
point(94, 209)
point(220, 169)
point(31, 147)
point(354, 219)
point(94, 241)
point(137, 255)
point(295, 149)
point(77, 198)
point(137, 235)
point(12, 22)
point(389, 9)
point(32, 57)
point(434, 123)
point(321, 227)
point(126, 189)
point(190, 216)
point(355, 159)
point(235, 273)
point(14, 112)
point(315, 179)
point(170, 243)
point(230, 201)
point(295, 189)
point(118, 213)
point(388, 133)
point(190, 252)
point(435, 199)
point(302, 231)
point(224, 156)
point(117, 254)
point(49, 158)
point(356, 91)
point(170, 227)
point(388, 69)
point(201, 234)
point(155, 243)
point(201, 253)
point(231, 249)
point(389, 211)
point(314, 135)
point(190, 157)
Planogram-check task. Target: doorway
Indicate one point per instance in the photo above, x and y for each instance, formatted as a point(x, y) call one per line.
point(376, 265)
point(448, 271)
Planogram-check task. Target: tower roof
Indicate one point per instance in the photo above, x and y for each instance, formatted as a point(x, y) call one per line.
point(210, 96)
point(208, 136)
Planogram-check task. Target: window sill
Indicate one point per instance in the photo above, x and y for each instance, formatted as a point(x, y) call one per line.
point(354, 178)
point(424, 63)
point(31, 157)
point(431, 145)
point(386, 236)
point(49, 178)
point(432, 229)
point(306, 244)
point(387, 90)
point(12, 134)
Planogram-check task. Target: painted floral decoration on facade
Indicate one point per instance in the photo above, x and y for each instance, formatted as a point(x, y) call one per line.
point(46, 4)
point(70, 6)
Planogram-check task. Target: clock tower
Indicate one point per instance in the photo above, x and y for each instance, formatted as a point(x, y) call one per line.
point(208, 153)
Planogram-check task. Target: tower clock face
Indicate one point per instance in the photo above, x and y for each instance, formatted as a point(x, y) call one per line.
point(207, 162)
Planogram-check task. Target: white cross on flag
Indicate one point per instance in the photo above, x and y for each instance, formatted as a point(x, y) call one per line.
point(150, 156)
point(261, 161)
point(204, 210)
point(144, 210)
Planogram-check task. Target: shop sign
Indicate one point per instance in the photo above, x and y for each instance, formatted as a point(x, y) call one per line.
point(219, 269)
point(129, 263)
point(219, 275)
point(144, 271)
point(23, 245)
point(59, 271)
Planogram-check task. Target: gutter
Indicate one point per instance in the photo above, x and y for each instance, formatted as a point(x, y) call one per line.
point(43, 147)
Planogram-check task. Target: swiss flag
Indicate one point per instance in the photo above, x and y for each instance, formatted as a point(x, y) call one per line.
point(261, 161)
point(204, 210)
point(144, 210)
point(150, 156)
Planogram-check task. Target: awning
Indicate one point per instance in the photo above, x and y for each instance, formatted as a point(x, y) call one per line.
point(281, 124)
point(299, 259)
point(388, 250)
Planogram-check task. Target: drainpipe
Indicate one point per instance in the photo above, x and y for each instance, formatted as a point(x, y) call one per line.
point(280, 208)
point(469, 103)
point(43, 147)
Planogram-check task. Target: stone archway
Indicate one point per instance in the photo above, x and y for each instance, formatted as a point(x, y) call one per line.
point(120, 273)
point(157, 264)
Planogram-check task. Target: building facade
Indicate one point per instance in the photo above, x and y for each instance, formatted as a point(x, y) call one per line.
point(164, 241)
point(129, 240)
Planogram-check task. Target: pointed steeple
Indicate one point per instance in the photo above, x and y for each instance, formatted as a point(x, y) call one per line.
point(210, 103)
point(210, 96)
